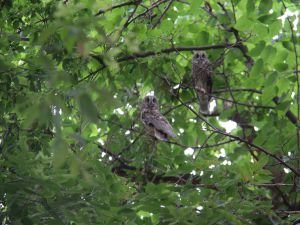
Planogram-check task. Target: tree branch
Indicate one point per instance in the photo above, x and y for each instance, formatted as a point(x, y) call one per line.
point(259, 148)
point(288, 114)
point(129, 18)
point(294, 41)
point(162, 15)
point(102, 11)
point(173, 49)
point(237, 90)
point(161, 178)
point(249, 61)
point(154, 5)
point(241, 103)
point(272, 184)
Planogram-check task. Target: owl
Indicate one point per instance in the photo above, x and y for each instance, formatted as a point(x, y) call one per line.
point(202, 78)
point(155, 123)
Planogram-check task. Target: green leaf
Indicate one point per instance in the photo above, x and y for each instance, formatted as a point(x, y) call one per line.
point(244, 23)
point(265, 6)
point(88, 108)
point(60, 149)
point(203, 37)
point(280, 67)
point(288, 45)
point(269, 90)
point(283, 107)
point(259, 47)
point(257, 68)
point(250, 6)
point(269, 53)
point(73, 147)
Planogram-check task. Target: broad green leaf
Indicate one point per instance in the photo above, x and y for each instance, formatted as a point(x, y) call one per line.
point(244, 23)
point(61, 153)
point(74, 148)
point(258, 67)
point(88, 108)
point(265, 6)
point(259, 47)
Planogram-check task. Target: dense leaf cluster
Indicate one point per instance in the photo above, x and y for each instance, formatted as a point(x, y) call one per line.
point(72, 149)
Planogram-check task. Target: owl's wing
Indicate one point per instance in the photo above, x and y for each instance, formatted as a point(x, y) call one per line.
point(161, 127)
point(209, 85)
point(202, 75)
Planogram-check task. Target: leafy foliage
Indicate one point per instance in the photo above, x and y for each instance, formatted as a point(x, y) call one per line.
point(72, 149)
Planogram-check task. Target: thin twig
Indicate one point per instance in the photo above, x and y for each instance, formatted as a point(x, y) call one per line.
point(259, 148)
point(91, 74)
point(238, 90)
point(195, 155)
point(241, 103)
point(233, 11)
point(154, 5)
point(128, 19)
point(294, 41)
point(175, 107)
point(237, 114)
point(290, 212)
point(238, 39)
point(271, 184)
point(201, 146)
point(115, 157)
point(164, 12)
point(102, 11)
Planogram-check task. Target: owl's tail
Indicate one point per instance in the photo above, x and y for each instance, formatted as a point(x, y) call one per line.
point(203, 103)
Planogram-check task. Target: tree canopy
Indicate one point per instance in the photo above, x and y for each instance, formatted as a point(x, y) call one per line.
point(73, 149)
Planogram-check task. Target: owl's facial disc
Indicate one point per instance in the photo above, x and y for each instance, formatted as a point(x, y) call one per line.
point(199, 55)
point(151, 101)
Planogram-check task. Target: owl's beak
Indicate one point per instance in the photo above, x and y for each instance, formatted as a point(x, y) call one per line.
point(152, 102)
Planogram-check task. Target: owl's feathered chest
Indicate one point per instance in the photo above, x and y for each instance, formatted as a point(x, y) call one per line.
point(149, 114)
point(201, 69)
point(156, 124)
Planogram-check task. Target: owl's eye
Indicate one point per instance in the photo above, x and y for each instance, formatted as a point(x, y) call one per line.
point(154, 100)
point(197, 55)
point(147, 99)
point(203, 55)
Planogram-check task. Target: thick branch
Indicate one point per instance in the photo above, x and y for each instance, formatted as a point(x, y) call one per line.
point(161, 178)
point(288, 114)
point(116, 157)
point(173, 49)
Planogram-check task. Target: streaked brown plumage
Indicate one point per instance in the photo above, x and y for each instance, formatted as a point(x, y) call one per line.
point(202, 78)
point(155, 123)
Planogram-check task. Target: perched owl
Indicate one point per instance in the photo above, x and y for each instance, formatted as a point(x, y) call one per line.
point(202, 78)
point(156, 124)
